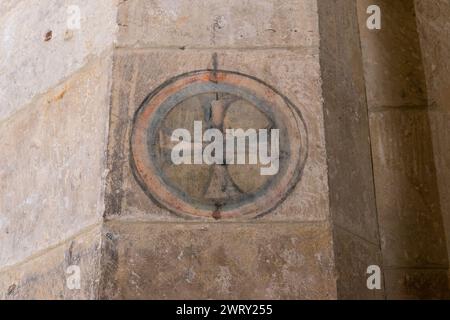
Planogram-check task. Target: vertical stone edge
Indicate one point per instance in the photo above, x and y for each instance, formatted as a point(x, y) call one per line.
point(354, 219)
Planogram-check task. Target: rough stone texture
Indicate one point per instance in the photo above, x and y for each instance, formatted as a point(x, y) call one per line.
point(30, 65)
point(217, 261)
point(434, 26)
point(392, 61)
point(346, 122)
point(408, 203)
point(44, 276)
point(440, 127)
point(215, 23)
point(52, 164)
point(355, 255)
point(434, 29)
point(352, 202)
point(408, 199)
point(151, 253)
point(54, 122)
point(54, 98)
point(136, 74)
point(415, 284)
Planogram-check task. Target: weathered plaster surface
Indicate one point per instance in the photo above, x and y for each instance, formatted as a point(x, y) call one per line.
point(29, 65)
point(46, 275)
point(215, 23)
point(52, 164)
point(217, 261)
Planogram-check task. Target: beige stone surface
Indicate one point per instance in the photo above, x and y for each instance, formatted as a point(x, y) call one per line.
point(29, 65)
point(52, 164)
point(214, 23)
point(411, 226)
point(7, 5)
point(151, 253)
point(217, 261)
point(57, 155)
point(294, 73)
point(392, 60)
point(416, 284)
point(46, 275)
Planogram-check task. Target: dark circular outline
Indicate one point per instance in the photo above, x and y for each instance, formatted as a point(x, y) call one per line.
point(142, 184)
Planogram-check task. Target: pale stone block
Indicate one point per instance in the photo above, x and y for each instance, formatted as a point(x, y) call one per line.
point(214, 23)
point(52, 164)
point(33, 61)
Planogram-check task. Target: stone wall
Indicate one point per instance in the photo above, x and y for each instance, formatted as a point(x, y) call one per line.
point(54, 98)
point(409, 211)
point(150, 252)
point(372, 190)
point(351, 189)
point(433, 19)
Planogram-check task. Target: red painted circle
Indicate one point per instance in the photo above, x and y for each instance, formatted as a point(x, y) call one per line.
point(153, 112)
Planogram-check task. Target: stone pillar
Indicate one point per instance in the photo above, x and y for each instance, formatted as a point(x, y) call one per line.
point(85, 172)
point(409, 211)
point(351, 185)
point(250, 53)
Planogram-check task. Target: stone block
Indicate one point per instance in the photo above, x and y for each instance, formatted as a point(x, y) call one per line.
point(39, 51)
point(213, 23)
point(440, 127)
point(411, 226)
point(137, 74)
point(350, 177)
point(434, 30)
point(417, 284)
point(52, 164)
point(392, 61)
point(353, 256)
point(217, 261)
